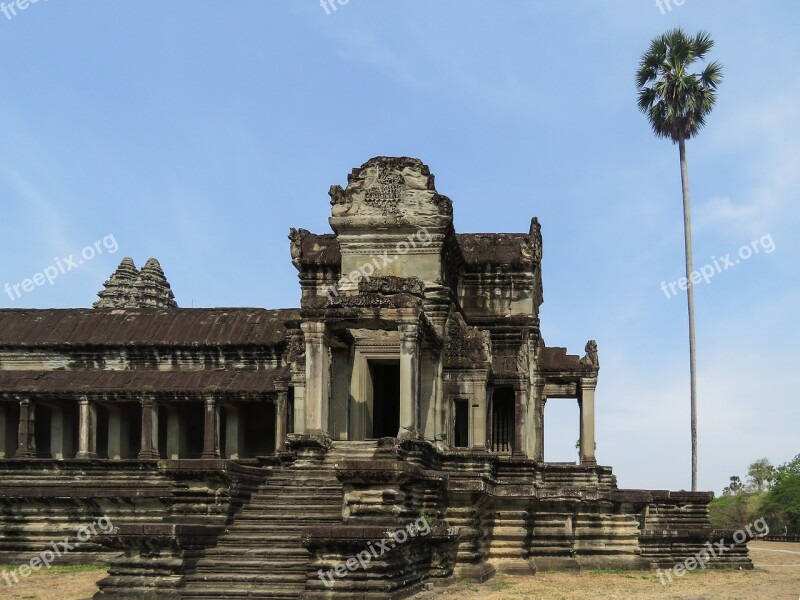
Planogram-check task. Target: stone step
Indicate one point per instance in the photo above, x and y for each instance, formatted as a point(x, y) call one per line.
point(246, 578)
point(273, 520)
point(268, 510)
point(261, 554)
point(276, 591)
point(239, 560)
point(292, 495)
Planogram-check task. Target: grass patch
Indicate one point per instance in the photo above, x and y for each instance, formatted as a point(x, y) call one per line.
point(60, 568)
point(500, 585)
point(609, 572)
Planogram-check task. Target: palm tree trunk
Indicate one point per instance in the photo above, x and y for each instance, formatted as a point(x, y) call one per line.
point(687, 235)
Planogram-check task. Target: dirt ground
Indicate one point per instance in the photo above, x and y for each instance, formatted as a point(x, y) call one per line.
point(776, 577)
point(64, 583)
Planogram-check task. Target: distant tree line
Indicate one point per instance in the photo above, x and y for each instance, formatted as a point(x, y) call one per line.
point(769, 492)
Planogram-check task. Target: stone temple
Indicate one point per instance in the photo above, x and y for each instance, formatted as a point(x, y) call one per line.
point(247, 452)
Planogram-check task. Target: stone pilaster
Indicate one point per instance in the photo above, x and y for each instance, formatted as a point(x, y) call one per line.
point(317, 376)
point(211, 429)
point(281, 420)
point(588, 385)
point(3, 427)
point(149, 447)
point(26, 438)
point(520, 421)
point(409, 380)
point(87, 435)
point(479, 418)
point(539, 401)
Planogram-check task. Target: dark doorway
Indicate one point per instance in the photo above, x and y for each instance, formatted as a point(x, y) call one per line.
point(461, 425)
point(12, 428)
point(258, 429)
point(385, 398)
point(193, 418)
point(42, 429)
point(503, 420)
point(101, 441)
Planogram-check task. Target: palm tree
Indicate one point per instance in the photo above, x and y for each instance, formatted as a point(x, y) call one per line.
point(677, 103)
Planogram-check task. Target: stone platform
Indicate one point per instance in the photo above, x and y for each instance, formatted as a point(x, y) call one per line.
point(214, 528)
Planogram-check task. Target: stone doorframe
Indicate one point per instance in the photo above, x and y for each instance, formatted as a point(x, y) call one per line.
point(360, 403)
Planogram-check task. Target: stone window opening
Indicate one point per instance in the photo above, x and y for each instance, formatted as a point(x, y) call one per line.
point(562, 424)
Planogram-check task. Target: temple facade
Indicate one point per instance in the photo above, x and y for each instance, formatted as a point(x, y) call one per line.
point(246, 452)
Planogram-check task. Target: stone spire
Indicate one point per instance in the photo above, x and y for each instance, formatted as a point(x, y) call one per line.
point(130, 288)
point(118, 290)
point(152, 288)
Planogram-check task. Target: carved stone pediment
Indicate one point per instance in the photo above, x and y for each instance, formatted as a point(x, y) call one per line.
point(387, 192)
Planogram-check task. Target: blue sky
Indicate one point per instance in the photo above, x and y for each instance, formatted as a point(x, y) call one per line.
point(200, 132)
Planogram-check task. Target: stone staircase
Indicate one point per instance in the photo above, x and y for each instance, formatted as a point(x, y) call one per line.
point(261, 555)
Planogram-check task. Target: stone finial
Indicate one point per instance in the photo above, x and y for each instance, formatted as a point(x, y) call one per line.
point(296, 238)
point(118, 290)
point(152, 288)
point(591, 357)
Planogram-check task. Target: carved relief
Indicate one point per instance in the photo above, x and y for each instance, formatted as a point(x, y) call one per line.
point(524, 357)
point(385, 195)
point(296, 349)
point(389, 284)
point(465, 344)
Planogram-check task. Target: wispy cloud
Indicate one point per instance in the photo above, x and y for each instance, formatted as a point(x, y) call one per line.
point(363, 47)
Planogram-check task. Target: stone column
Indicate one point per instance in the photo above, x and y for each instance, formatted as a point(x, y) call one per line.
point(233, 432)
point(149, 448)
point(176, 433)
point(57, 441)
point(317, 375)
point(281, 420)
point(299, 405)
point(26, 438)
point(520, 419)
point(118, 434)
point(87, 437)
point(211, 429)
point(539, 401)
point(409, 380)
point(588, 385)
